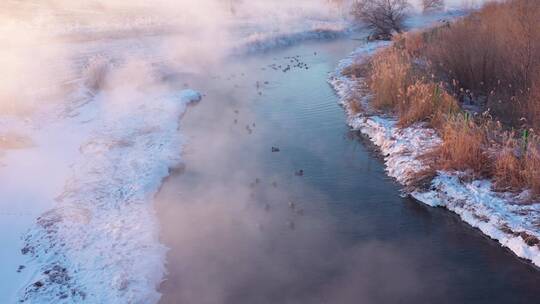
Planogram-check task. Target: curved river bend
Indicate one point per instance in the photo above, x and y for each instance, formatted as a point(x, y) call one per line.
point(244, 226)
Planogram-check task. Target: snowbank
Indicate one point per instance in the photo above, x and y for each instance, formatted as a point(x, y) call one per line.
point(500, 216)
point(99, 241)
point(267, 40)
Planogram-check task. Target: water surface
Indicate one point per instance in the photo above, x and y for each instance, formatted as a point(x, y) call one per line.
point(244, 228)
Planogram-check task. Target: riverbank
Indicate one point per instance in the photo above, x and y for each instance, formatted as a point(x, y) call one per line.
point(502, 216)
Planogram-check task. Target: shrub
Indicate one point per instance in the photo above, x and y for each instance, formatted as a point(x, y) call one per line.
point(383, 17)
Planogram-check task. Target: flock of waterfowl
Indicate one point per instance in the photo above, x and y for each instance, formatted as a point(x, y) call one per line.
point(288, 64)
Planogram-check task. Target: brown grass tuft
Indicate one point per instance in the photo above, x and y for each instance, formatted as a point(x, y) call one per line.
point(508, 169)
point(532, 167)
point(426, 102)
point(463, 147)
point(517, 165)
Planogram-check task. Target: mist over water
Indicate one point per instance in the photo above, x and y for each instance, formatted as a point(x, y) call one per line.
point(233, 240)
point(40, 37)
point(242, 230)
point(87, 101)
point(47, 44)
point(237, 231)
point(348, 237)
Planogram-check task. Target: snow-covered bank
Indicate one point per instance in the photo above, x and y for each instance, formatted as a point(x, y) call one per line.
point(100, 240)
point(501, 216)
point(264, 41)
point(78, 173)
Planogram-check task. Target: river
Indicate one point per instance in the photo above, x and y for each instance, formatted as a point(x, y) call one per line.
point(317, 221)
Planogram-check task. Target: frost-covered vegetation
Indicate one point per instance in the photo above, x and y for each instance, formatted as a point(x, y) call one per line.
point(476, 82)
point(442, 139)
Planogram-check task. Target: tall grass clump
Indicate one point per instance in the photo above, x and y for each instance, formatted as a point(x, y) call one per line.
point(391, 74)
point(517, 165)
point(399, 87)
point(532, 166)
point(426, 102)
point(463, 148)
point(509, 168)
point(493, 54)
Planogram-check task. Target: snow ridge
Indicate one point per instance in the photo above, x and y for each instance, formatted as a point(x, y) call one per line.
point(264, 41)
point(100, 242)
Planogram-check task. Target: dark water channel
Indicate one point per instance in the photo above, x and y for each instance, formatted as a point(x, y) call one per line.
point(244, 227)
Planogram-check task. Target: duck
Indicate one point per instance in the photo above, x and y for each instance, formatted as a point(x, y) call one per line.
point(292, 205)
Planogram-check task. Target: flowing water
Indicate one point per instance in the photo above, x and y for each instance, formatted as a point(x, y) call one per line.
point(245, 226)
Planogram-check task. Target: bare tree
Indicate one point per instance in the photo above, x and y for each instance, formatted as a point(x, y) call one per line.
point(384, 17)
point(432, 5)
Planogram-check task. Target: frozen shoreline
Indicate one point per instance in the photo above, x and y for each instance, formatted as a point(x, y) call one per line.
point(102, 228)
point(259, 42)
point(500, 216)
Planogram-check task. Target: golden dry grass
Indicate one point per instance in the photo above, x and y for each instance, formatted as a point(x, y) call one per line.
point(532, 167)
point(463, 147)
point(493, 53)
point(508, 169)
point(492, 58)
point(391, 74)
point(427, 102)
